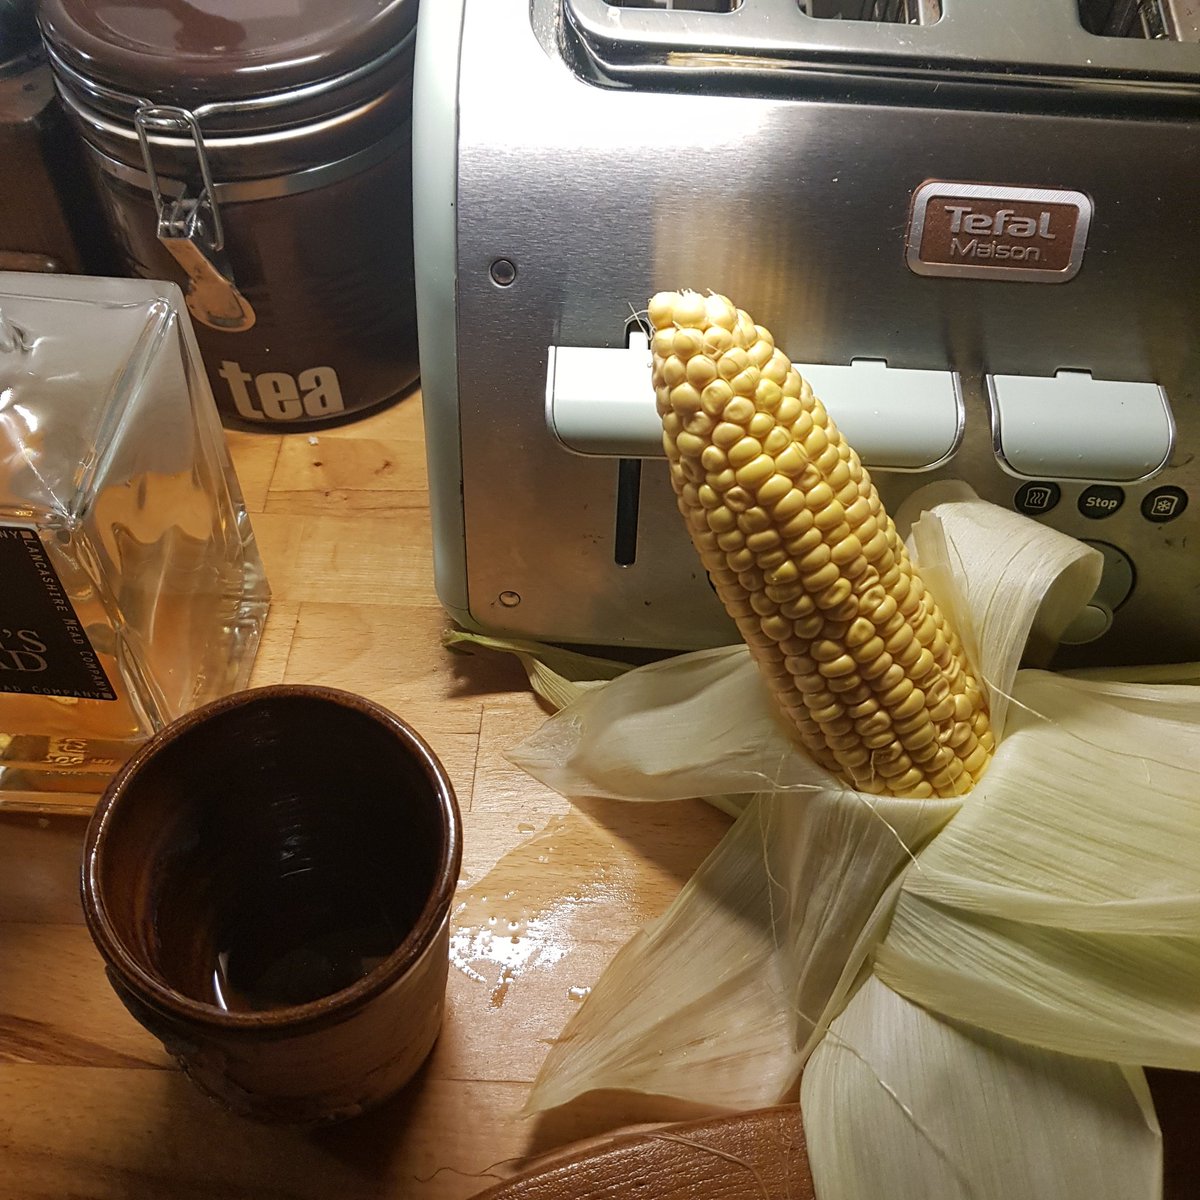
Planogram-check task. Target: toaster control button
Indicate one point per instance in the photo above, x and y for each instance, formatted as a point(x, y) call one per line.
point(1164, 504)
point(1092, 621)
point(1071, 426)
point(1100, 500)
point(1116, 582)
point(1037, 497)
point(1117, 576)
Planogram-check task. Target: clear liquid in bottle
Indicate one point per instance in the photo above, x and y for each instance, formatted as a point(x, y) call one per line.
point(131, 589)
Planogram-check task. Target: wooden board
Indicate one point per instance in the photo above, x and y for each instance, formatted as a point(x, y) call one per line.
point(90, 1106)
point(752, 1156)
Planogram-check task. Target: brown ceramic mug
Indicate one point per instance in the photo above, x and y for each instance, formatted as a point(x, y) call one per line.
point(269, 881)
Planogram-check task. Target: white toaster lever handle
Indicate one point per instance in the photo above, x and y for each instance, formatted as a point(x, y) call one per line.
point(599, 401)
point(1071, 426)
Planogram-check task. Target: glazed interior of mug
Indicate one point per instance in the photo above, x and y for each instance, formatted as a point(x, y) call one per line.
point(274, 853)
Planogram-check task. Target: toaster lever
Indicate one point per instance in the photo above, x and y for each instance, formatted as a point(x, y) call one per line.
point(599, 401)
point(1071, 426)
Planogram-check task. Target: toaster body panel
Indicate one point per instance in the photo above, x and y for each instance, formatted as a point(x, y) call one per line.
point(575, 202)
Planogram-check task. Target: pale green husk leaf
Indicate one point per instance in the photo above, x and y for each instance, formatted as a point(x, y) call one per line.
point(697, 724)
point(720, 1000)
point(1009, 586)
point(1062, 906)
point(902, 1104)
point(558, 675)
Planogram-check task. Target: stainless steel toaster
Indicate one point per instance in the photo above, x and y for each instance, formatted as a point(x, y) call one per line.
point(974, 224)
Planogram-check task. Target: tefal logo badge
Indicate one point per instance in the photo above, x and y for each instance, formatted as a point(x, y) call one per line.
point(985, 231)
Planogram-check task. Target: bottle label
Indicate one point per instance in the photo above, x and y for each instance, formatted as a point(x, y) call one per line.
point(44, 650)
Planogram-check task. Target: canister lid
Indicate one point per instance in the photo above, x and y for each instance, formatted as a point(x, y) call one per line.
point(194, 51)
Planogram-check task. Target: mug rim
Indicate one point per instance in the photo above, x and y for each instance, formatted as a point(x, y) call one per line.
point(327, 1009)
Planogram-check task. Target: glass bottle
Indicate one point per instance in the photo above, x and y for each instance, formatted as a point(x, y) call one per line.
point(131, 589)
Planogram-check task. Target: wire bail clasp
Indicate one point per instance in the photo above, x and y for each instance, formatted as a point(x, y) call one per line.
point(191, 229)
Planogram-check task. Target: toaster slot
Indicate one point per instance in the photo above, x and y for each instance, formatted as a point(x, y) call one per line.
point(629, 498)
point(714, 6)
point(1156, 20)
point(892, 12)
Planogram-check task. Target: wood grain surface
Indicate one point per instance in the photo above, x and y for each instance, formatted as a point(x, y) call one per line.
point(91, 1108)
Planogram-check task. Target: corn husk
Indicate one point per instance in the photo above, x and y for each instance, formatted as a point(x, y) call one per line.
point(686, 726)
point(720, 1001)
point(1009, 586)
point(1063, 905)
point(1049, 919)
point(902, 1104)
point(556, 674)
point(1185, 673)
point(717, 1002)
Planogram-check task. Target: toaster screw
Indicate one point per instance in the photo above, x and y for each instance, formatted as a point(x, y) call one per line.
point(503, 271)
point(509, 599)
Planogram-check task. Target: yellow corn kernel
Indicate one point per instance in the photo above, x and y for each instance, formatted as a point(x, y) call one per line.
point(800, 550)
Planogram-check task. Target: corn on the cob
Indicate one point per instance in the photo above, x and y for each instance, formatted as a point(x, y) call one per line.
point(808, 563)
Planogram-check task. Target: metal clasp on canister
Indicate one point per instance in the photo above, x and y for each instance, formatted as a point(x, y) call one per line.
point(190, 227)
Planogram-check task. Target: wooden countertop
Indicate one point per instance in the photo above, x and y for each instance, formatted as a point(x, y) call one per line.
point(90, 1105)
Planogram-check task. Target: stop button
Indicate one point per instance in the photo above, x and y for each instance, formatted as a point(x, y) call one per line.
point(1100, 500)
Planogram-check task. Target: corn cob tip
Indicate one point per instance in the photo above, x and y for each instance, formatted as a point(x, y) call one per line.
point(807, 562)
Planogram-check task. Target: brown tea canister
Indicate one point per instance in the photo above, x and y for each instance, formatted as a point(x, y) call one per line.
point(260, 157)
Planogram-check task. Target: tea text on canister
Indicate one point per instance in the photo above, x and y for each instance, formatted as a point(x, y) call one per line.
point(279, 396)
